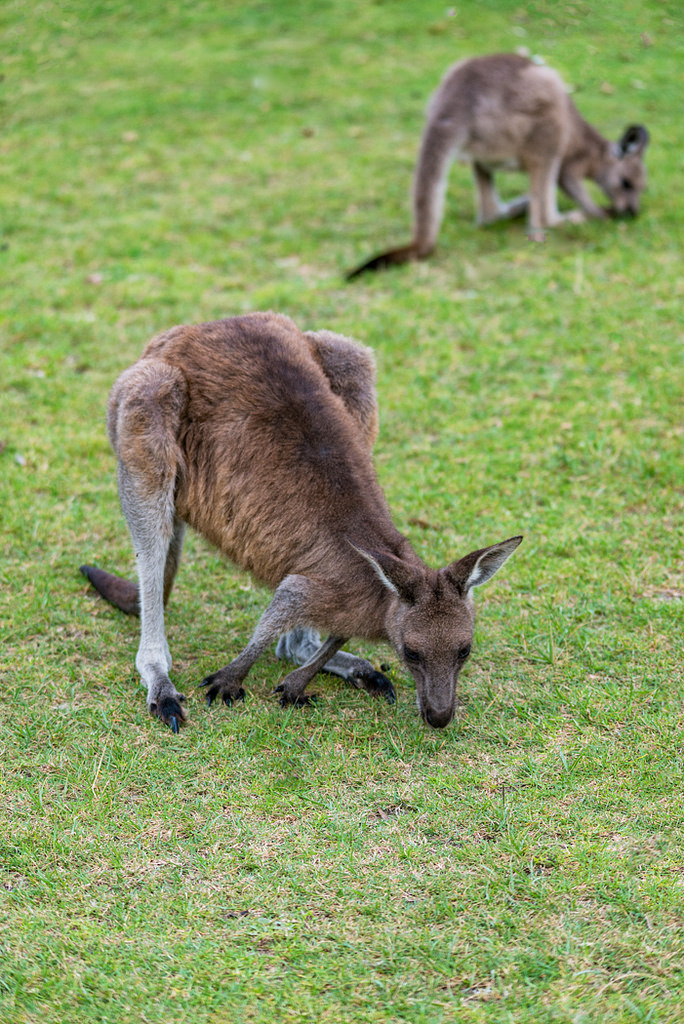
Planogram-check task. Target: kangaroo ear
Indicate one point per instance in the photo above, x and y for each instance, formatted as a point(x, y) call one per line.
point(400, 578)
point(634, 140)
point(479, 566)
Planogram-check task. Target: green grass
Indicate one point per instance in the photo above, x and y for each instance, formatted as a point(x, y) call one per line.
point(175, 163)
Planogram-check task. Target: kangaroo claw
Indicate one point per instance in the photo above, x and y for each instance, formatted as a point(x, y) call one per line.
point(377, 684)
point(217, 687)
point(382, 687)
point(170, 712)
point(302, 700)
point(230, 698)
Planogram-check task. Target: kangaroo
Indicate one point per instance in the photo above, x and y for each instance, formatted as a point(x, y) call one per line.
point(507, 112)
point(259, 436)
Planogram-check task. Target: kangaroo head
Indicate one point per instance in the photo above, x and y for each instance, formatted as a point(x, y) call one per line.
point(430, 622)
point(624, 178)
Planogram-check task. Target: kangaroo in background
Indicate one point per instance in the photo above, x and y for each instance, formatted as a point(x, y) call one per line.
point(507, 112)
point(259, 436)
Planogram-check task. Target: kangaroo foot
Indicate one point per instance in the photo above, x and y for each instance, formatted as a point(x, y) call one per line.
point(169, 710)
point(223, 684)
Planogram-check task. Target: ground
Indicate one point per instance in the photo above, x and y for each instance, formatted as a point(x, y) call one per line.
point(176, 163)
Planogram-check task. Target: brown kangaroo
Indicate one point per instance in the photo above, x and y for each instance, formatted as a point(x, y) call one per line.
point(259, 436)
point(507, 112)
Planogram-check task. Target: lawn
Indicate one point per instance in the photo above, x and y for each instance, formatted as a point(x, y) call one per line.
point(162, 164)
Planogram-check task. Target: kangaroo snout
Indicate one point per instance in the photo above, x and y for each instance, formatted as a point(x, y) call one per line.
point(438, 718)
point(437, 700)
point(626, 212)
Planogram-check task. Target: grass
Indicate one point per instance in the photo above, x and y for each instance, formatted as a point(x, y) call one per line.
point(176, 163)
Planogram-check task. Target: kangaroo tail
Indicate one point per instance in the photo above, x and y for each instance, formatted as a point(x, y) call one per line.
point(121, 593)
point(386, 259)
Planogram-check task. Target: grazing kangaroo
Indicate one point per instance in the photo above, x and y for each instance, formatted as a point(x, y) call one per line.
point(259, 436)
point(507, 112)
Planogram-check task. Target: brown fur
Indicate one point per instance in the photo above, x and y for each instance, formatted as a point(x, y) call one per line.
point(505, 111)
point(298, 430)
point(259, 436)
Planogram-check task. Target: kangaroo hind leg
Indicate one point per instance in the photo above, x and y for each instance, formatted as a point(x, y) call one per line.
point(350, 369)
point(144, 417)
point(490, 207)
point(125, 594)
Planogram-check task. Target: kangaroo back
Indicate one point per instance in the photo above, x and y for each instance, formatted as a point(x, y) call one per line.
point(276, 471)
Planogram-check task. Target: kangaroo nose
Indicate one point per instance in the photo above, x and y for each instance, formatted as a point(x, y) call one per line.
point(438, 719)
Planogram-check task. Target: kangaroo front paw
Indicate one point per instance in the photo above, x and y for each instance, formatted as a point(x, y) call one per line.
point(298, 700)
point(292, 689)
point(224, 685)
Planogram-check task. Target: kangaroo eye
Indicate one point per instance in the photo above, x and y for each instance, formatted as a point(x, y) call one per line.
point(463, 652)
point(411, 656)
point(626, 184)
